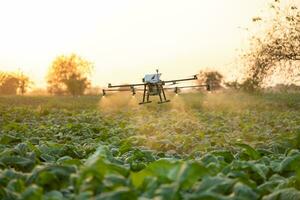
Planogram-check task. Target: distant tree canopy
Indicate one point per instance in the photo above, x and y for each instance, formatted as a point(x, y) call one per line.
point(69, 75)
point(213, 78)
point(13, 83)
point(278, 48)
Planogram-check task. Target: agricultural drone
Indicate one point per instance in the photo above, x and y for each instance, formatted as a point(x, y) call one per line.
point(153, 86)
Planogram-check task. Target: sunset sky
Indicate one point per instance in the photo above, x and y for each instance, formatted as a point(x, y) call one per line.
point(125, 39)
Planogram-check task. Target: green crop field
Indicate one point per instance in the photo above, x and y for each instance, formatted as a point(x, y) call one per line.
point(199, 146)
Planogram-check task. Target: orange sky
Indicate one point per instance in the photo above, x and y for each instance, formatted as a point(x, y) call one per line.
point(125, 39)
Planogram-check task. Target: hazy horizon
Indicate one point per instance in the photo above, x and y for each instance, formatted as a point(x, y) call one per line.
point(125, 39)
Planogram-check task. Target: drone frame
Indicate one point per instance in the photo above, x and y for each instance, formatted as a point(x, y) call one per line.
point(154, 89)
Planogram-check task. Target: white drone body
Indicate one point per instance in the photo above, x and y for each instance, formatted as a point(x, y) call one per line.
point(152, 78)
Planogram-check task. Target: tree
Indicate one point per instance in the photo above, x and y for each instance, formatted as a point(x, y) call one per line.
point(8, 84)
point(211, 78)
point(69, 75)
point(13, 83)
point(24, 83)
point(277, 48)
point(248, 85)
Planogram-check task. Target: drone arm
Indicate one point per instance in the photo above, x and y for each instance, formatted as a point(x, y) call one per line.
point(116, 88)
point(180, 80)
point(125, 85)
point(177, 89)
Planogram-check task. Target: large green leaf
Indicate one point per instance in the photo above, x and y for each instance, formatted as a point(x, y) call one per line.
point(92, 174)
point(112, 181)
point(9, 139)
point(167, 191)
point(52, 177)
point(102, 152)
point(122, 193)
point(184, 174)
point(33, 192)
point(251, 152)
point(290, 163)
point(165, 171)
point(18, 162)
point(53, 195)
point(227, 155)
point(252, 170)
point(217, 184)
point(16, 185)
point(67, 160)
point(206, 195)
point(189, 173)
point(284, 194)
point(242, 191)
point(271, 185)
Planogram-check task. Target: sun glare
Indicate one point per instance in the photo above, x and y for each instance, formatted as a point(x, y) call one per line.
point(127, 37)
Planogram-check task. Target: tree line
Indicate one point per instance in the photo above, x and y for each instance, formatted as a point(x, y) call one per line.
point(67, 75)
point(277, 48)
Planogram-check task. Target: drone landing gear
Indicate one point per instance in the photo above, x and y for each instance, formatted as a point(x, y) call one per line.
point(153, 90)
point(163, 98)
point(145, 102)
point(166, 101)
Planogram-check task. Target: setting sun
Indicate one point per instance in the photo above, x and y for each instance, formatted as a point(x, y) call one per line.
point(124, 37)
